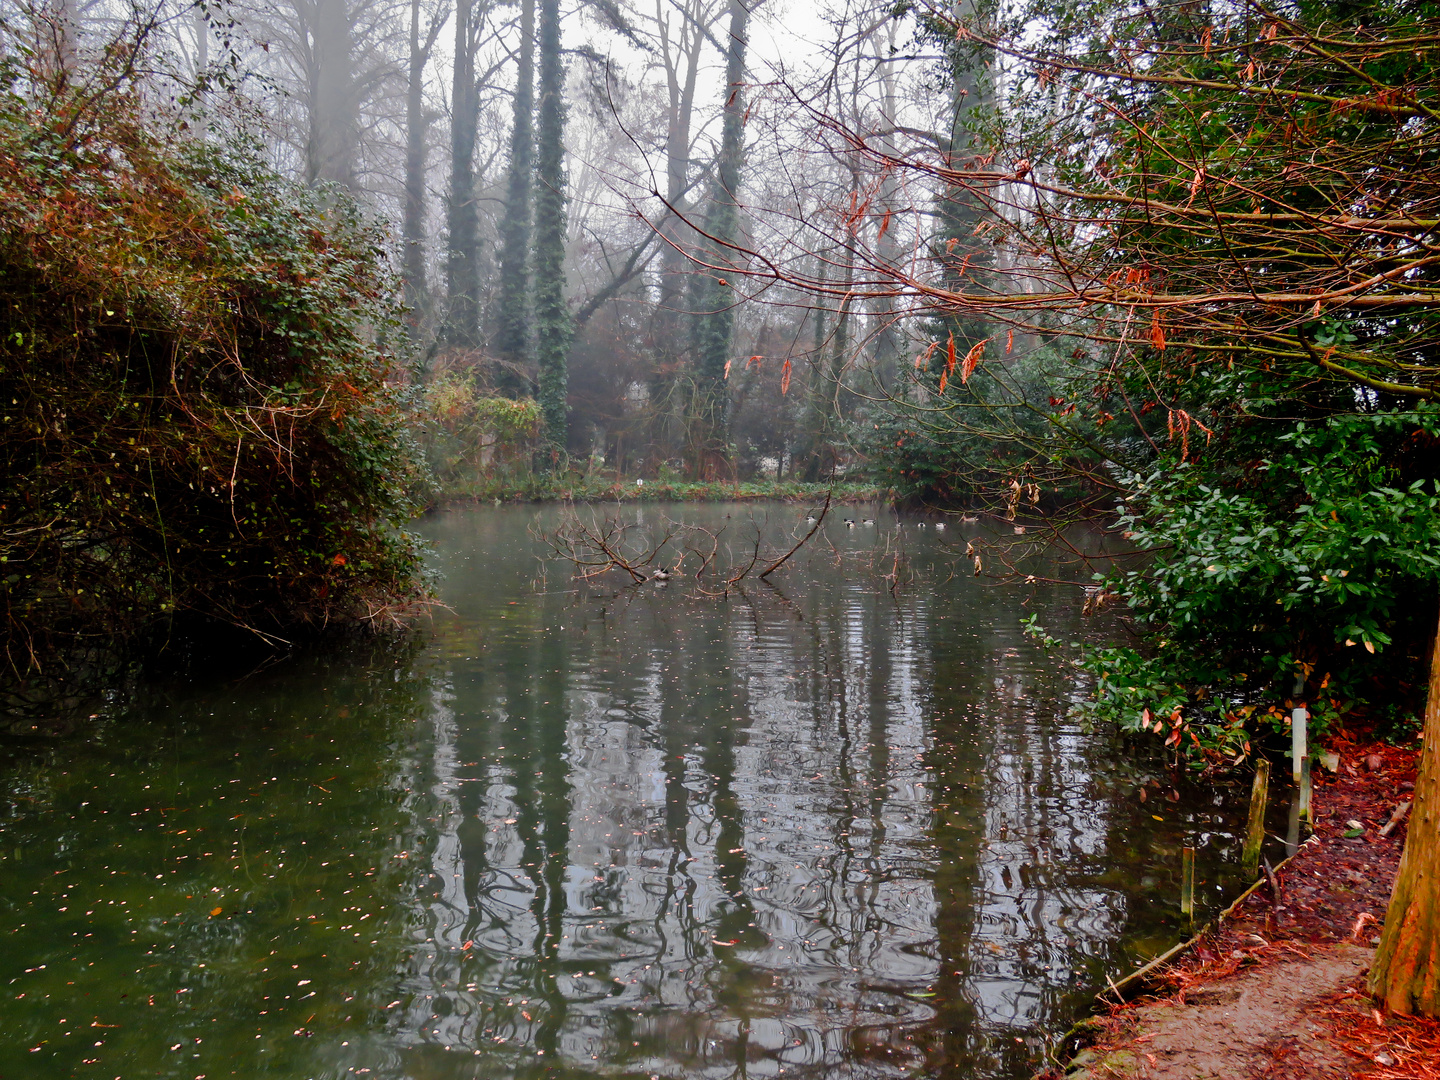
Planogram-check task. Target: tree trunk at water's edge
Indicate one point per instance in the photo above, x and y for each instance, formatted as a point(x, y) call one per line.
point(1406, 974)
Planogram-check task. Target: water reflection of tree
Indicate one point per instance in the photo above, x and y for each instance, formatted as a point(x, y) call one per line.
point(714, 838)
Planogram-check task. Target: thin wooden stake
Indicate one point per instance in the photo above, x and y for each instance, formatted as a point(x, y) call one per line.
point(1305, 793)
point(1255, 830)
point(1299, 718)
point(1187, 882)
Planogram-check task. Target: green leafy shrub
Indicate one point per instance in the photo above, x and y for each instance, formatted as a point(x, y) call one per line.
point(1322, 559)
point(200, 419)
point(469, 434)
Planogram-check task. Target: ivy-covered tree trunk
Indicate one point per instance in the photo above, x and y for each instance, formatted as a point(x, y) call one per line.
point(1406, 973)
point(512, 311)
point(462, 263)
point(552, 317)
point(715, 296)
point(963, 254)
point(887, 245)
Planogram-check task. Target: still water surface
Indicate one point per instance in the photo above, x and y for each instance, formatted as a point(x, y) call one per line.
point(813, 830)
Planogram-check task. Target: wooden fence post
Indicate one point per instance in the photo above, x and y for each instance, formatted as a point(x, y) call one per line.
point(1255, 830)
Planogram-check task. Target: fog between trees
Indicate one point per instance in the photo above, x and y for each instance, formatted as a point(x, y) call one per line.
point(672, 120)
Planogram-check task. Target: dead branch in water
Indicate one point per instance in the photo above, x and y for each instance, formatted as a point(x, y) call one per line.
point(600, 546)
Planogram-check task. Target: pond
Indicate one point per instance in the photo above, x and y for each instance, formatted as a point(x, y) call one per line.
point(838, 826)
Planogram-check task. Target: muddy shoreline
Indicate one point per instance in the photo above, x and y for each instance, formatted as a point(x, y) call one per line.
point(1277, 990)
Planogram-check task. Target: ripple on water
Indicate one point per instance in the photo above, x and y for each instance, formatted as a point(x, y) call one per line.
point(817, 828)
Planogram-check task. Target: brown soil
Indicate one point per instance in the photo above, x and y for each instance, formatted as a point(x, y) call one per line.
point(1278, 991)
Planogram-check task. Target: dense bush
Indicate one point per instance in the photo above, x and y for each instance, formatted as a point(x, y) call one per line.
point(200, 416)
point(469, 433)
point(1318, 556)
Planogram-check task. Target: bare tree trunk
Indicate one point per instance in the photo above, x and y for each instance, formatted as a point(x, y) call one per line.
point(828, 372)
point(682, 70)
point(416, 127)
point(334, 123)
point(1406, 973)
point(514, 316)
point(57, 30)
point(201, 19)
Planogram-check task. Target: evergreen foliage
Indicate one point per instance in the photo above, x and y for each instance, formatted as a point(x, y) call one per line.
point(1302, 545)
point(553, 324)
point(199, 422)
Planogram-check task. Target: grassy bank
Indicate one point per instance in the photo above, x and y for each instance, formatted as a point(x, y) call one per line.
point(577, 487)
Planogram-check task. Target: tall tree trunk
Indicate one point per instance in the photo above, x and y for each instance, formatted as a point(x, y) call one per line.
point(416, 125)
point(715, 315)
point(887, 247)
point(552, 317)
point(682, 70)
point(57, 32)
point(513, 314)
point(828, 370)
point(1406, 973)
point(334, 120)
point(201, 20)
point(462, 262)
point(962, 253)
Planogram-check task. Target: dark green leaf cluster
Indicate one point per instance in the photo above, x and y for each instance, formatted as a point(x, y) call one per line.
point(200, 419)
point(1320, 559)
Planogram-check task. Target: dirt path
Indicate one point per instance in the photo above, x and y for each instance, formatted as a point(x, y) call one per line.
point(1239, 1027)
point(1278, 992)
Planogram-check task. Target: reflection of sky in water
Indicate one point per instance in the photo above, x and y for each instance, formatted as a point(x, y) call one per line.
point(812, 829)
point(826, 834)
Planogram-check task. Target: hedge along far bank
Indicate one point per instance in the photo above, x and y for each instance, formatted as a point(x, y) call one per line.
point(200, 418)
